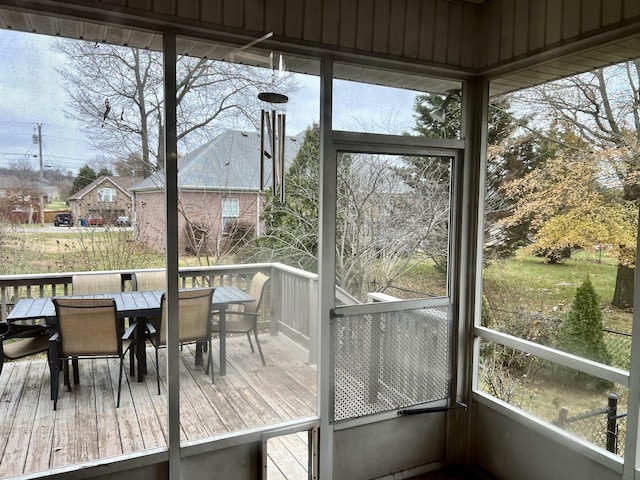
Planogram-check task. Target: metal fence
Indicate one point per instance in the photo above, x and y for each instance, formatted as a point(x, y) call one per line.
point(542, 328)
point(619, 347)
point(604, 427)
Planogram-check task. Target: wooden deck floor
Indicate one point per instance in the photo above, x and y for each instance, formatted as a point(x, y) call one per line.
point(87, 426)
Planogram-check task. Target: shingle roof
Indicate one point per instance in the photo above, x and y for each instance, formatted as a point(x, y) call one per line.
point(231, 161)
point(124, 183)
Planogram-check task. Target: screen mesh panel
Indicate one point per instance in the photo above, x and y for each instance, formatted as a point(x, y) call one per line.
point(386, 361)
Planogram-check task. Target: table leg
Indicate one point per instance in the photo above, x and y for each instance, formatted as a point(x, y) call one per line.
point(141, 351)
point(199, 347)
point(132, 361)
point(53, 357)
point(223, 342)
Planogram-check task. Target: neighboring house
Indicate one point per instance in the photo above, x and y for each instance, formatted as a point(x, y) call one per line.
point(107, 196)
point(50, 193)
point(219, 185)
point(15, 187)
point(19, 198)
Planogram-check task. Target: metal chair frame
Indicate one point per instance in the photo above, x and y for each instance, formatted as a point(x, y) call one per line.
point(99, 335)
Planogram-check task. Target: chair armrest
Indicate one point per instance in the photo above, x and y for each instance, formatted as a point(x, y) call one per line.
point(150, 328)
point(17, 330)
point(214, 322)
point(129, 332)
point(245, 314)
point(54, 357)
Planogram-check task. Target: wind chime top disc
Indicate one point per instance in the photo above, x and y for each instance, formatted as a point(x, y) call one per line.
point(272, 97)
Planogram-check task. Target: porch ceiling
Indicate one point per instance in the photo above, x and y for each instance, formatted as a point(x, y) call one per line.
point(104, 33)
point(527, 71)
point(546, 67)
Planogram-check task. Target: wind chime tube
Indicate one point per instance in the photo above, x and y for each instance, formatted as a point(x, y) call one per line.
point(274, 158)
point(281, 138)
point(262, 112)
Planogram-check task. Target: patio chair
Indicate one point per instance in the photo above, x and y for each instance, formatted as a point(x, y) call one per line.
point(149, 281)
point(19, 341)
point(93, 283)
point(194, 312)
point(96, 283)
point(86, 328)
point(246, 321)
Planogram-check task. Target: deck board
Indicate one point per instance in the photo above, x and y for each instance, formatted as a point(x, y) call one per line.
point(8, 407)
point(42, 429)
point(289, 467)
point(86, 418)
point(87, 425)
point(23, 420)
point(108, 431)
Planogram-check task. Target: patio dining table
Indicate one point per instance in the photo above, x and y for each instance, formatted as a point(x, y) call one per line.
point(136, 304)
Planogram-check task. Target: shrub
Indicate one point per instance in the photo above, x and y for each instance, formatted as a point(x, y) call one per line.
point(553, 255)
point(581, 333)
point(532, 326)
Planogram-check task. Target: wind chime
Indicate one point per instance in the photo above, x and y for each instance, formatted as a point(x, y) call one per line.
point(272, 120)
point(272, 140)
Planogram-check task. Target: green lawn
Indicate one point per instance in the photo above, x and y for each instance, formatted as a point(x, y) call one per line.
point(56, 205)
point(543, 286)
point(527, 282)
point(530, 284)
point(26, 249)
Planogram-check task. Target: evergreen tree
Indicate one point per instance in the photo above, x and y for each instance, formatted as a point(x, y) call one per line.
point(427, 126)
point(85, 176)
point(581, 333)
point(104, 172)
point(511, 155)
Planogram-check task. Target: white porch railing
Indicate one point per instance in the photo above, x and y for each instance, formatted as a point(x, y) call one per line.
point(290, 306)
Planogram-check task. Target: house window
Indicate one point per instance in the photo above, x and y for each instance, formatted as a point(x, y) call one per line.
point(230, 212)
point(107, 195)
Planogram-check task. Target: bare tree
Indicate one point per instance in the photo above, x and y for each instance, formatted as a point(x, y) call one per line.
point(387, 224)
point(384, 226)
point(116, 93)
point(603, 107)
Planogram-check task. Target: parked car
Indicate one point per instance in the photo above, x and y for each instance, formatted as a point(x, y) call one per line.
point(123, 221)
point(63, 219)
point(95, 220)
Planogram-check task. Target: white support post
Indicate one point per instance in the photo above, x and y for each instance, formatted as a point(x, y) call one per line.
point(631, 453)
point(468, 273)
point(171, 239)
point(326, 264)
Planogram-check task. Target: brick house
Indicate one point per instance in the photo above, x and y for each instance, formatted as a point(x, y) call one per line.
point(218, 185)
point(108, 196)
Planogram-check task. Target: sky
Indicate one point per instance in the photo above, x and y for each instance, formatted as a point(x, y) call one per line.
point(31, 94)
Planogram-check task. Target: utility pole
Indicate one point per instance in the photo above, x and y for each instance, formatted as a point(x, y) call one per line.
point(41, 175)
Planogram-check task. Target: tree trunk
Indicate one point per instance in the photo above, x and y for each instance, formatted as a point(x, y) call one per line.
point(623, 295)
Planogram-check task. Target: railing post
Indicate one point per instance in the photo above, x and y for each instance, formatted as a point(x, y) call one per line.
point(563, 417)
point(377, 336)
point(276, 307)
point(612, 423)
point(313, 320)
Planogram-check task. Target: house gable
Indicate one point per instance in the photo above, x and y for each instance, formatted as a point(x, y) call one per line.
point(112, 204)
